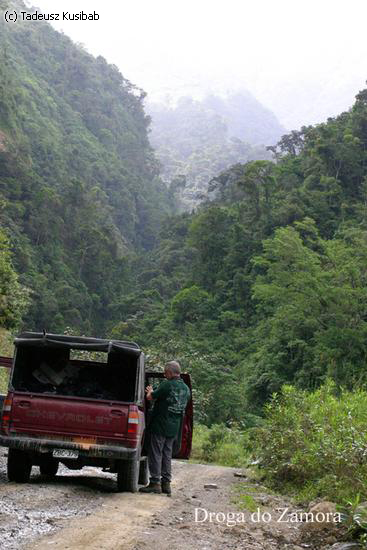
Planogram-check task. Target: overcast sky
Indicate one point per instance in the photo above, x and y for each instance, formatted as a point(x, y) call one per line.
point(304, 59)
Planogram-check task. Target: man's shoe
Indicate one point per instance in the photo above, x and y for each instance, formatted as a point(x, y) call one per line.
point(151, 488)
point(166, 487)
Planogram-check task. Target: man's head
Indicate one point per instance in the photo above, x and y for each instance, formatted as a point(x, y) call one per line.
point(172, 369)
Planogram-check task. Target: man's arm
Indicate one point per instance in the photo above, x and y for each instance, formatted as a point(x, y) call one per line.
point(161, 391)
point(149, 391)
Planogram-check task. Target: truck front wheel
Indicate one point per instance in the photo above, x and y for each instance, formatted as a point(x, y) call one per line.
point(19, 466)
point(128, 475)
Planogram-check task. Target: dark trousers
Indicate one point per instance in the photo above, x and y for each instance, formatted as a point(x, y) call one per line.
point(159, 457)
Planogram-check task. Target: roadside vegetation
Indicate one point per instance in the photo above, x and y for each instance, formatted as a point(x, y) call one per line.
point(221, 445)
point(308, 445)
point(314, 444)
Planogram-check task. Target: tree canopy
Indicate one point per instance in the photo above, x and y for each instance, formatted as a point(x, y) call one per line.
point(78, 178)
point(265, 283)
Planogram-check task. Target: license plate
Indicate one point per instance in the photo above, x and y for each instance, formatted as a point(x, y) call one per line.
point(65, 453)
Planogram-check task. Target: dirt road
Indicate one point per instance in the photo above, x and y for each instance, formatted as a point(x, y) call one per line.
point(81, 510)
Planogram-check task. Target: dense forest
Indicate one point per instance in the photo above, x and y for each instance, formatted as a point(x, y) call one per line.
point(197, 139)
point(263, 284)
point(79, 186)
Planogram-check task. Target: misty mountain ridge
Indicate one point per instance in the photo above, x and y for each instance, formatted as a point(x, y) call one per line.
point(196, 139)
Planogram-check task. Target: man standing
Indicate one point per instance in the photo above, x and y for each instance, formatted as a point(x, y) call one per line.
point(171, 398)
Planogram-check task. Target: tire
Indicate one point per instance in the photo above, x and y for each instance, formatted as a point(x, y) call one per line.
point(144, 472)
point(19, 466)
point(49, 466)
point(128, 476)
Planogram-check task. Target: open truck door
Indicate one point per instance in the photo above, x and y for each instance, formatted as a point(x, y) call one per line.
point(181, 447)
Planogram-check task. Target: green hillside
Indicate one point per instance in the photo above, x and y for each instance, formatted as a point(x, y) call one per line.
point(266, 283)
point(79, 185)
point(195, 140)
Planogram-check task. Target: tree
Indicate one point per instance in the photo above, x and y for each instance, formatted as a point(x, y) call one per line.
point(312, 297)
point(191, 304)
point(14, 298)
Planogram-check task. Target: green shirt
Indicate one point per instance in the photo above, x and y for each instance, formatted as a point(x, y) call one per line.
point(171, 398)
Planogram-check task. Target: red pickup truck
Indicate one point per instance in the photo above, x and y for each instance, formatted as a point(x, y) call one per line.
point(80, 401)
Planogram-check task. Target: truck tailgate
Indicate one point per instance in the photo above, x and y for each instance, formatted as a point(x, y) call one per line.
point(68, 417)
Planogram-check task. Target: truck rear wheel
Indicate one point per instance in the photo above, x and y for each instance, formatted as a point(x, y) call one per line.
point(49, 466)
point(128, 475)
point(19, 466)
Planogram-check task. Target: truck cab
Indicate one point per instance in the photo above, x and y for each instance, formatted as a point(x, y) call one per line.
point(80, 401)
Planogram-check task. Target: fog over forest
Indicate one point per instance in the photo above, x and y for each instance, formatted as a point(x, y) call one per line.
point(305, 61)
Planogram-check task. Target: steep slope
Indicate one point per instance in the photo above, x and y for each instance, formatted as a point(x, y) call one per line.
point(246, 118)
point(266, 283)
point(77, 175)
point(196, 140)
